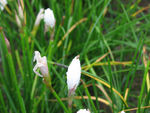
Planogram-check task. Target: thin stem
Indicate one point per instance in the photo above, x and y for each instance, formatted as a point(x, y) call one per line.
point(47, 81)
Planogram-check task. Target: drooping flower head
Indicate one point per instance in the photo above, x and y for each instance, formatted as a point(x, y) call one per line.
point(49, 18)
point(2, 4)
point(73, 75)
point(83, 111)
point(41, 63)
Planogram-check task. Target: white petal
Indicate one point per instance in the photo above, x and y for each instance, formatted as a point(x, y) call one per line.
point(41, 64)
point(39, 17)
point(2, 4)
point(49, 18)
point(74, 73)
point(122, 112)
point(36, 56)
point(35, 68)
point(83, 111)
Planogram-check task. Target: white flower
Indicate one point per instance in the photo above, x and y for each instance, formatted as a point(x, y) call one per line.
point(41, 63)
point(39, 17)
point(49, 18)
point(73, 75)
point(122, 112)
point(2, 4)
point(83, 111)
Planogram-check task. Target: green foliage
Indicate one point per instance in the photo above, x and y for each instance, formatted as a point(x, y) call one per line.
point(109, 27)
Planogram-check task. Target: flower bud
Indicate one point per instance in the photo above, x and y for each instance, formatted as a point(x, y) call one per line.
point(7, 43)
point(39, 17)
point(20, 11)
point(83, 111)
point(73, 75)
point(41, 63)
point(49, 18)
point(18, 20)
point(2, 4)
point(19, 15)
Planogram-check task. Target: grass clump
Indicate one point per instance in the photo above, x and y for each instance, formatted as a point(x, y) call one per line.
point(111, 37)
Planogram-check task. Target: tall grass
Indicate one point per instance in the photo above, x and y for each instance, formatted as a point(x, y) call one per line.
point(112, 38)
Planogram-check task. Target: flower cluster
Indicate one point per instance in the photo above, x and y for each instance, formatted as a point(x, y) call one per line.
point(73, 73)
point(48, 17)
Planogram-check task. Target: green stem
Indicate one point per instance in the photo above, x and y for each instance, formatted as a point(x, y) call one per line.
point(47, 81)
